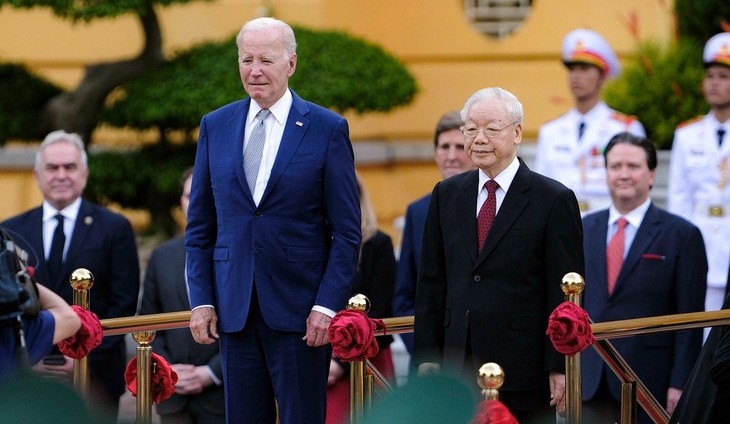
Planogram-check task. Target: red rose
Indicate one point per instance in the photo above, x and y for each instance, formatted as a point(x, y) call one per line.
point(86, 339)
point(352, 335)
point(569, 328)
point(494, 412)
point(162, 378)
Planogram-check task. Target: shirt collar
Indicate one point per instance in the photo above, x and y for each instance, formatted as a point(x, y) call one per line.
point(634, 217)
point(70, 212)
point(504, 178)
point(279, 110)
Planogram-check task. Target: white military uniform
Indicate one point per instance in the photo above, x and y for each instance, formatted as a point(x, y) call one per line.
point(699, 191)
point(577, 161)
point(698, 180)
point(579, 164)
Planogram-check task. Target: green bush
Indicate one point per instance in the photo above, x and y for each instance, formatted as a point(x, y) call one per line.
point(662, 87)
point(334, 70)
point(146, 178)
point(22, 96)
point(699, 20)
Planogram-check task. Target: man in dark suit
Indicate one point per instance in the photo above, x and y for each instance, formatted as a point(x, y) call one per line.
point(198, 394)
point(87, 236)
point(641, 261)
point(489, 301)
point(451, 159)
point(272, 241)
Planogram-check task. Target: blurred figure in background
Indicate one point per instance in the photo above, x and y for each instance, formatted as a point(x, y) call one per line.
point(699, 169)
point(570, 148)
point(198, 394)
point(375, 279)
point(451, 159)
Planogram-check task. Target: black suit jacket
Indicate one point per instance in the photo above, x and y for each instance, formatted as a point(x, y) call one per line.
point(102, 242)
point(165, 291)
point(665, 272)
point(500, 299)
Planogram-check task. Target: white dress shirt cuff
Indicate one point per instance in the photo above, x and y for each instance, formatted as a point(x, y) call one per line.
point(329, 312)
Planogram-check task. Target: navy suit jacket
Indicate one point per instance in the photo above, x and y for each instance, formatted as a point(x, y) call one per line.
point(102, 242)
point(404, 298)
point(500, 299)
point(165, 291)
point(300, 243)
point(665, 272)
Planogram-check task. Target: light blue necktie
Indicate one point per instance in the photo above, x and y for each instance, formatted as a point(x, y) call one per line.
point(255, 149)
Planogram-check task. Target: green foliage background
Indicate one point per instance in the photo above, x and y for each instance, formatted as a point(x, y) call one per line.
point(662, 87)
point(701, 19)
point(334, 70)
point(22, 96)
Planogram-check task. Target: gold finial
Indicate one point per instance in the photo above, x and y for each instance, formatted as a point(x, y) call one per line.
point(359, 302)
point(490, 379)
point(81, 279)
point(144, 338)
point(572, 283)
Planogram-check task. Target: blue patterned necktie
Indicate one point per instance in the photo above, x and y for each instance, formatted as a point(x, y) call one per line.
point(255, 149)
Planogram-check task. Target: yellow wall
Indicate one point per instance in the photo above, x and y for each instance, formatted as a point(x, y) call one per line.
point(449, 58)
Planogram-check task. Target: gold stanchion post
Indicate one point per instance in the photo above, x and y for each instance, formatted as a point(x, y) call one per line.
point(81, 282)
point(490, 378)
point(358, 302)
point(573, 285)
point(144, 374)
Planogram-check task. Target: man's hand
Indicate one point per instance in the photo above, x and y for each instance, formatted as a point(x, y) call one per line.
point(428, 368)
point(336, 372)
point(204, 325)
point(317, 325)
point(191, 380)
point(673, 396)
point(557, 392)
point(64, 371)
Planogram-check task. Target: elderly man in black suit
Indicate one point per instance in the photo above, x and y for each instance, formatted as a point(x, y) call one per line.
point(67, 232)
point(198, 394)
point(497, 243)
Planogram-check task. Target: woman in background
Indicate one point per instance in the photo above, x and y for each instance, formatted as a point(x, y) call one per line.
point(375, 279)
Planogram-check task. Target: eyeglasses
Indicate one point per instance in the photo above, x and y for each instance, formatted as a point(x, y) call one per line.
point(490, 133)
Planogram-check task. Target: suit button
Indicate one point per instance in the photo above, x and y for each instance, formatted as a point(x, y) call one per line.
point(257, 214)
point(467, 313)
point(477, 278)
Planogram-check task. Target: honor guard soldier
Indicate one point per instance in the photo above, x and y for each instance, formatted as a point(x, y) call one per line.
point(570, 148)
point(699, 167)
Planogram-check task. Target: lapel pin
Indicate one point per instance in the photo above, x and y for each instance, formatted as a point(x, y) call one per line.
point(299, 123)
point(88, 220)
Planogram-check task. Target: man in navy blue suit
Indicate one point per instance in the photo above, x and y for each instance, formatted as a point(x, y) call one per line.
point(273, 235)
point(93, 238)
point(451, 159)
point(641, 261)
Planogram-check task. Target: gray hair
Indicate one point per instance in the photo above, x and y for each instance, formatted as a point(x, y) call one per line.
point(511, 104)
point(61, 136)
point(286, 33)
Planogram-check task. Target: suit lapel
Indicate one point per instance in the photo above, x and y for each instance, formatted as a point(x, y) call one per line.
point(82, 228)
point(512, 206)
point(467, 201)
point(596, 247)
point(237, 124)
point(179, 267)
point(647, 231)
point(294, 129)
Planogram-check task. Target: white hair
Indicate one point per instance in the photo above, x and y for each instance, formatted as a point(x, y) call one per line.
point(61, 136)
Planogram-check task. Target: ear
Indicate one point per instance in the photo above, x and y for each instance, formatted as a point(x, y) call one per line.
point(518, 133)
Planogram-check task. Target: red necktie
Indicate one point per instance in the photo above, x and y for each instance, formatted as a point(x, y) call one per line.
point(487, 213)
point(615, 254)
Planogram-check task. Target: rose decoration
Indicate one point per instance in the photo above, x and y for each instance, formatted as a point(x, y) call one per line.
point(162, 378)
point(352, 335)
point(88, 337)
point(569, 328)
point(494, 412)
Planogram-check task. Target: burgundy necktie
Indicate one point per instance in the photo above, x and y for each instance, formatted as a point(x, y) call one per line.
point(487, 213)
point(615, 254)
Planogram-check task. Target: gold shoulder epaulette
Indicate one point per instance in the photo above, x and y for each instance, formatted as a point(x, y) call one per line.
point(623, 118)
point(690, 121)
